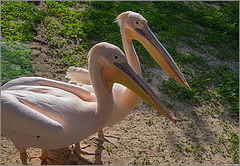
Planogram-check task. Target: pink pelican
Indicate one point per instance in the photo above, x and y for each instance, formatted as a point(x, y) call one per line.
point(133, 26)
point(48, 114)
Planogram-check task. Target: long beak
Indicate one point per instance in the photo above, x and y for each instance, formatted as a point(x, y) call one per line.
point(160, 55)
point(131, 80)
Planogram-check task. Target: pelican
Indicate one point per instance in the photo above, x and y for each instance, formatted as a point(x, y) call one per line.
point(133, 26)
point(48, 114)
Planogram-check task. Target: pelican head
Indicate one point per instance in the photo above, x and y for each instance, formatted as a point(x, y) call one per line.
point(136, 27)
point(115, 69)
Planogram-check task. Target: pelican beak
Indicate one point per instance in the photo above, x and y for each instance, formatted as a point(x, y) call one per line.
point(127, 76)
point(160, 54)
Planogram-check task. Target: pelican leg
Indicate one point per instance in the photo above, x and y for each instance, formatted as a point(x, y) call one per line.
point(108, 138)
point(45, 160)
point(79, 149)
point(80, 152)
point(23, 157)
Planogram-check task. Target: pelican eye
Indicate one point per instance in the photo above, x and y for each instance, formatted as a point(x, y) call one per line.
point(38, 136)
point(116, 57)
point(136, 22)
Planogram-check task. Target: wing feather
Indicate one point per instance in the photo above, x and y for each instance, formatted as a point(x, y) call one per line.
point(78, 75)
point(82, 93)
point(18, 117)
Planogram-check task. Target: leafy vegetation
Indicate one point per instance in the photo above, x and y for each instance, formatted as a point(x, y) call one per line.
point(18, 20)
point(235, 146)
point(15, 60)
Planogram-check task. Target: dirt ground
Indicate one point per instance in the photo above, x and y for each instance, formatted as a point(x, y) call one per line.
point(145, 136)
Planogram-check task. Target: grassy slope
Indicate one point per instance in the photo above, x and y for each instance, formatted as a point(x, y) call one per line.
point(71, 29)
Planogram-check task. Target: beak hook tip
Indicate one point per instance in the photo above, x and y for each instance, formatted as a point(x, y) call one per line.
point(174, 121)
point(188, 87)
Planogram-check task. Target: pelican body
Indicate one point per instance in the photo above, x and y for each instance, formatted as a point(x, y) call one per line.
point(43, 113)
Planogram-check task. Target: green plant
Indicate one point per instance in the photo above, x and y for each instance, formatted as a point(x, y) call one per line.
point(146, 161)
point(228, 86)
point(134, 161)
point(15, 60)
point(149, 121)
point(18, 20)
point(109, 149)
point(235, 146)
point(198, 150)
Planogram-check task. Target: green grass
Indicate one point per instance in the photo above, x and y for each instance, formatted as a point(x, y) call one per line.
point(198, 150)
point(18, 20)
point(15, 60)
point(146, 161)
point(226, 87)
point(235, 146)
point(149, 122)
